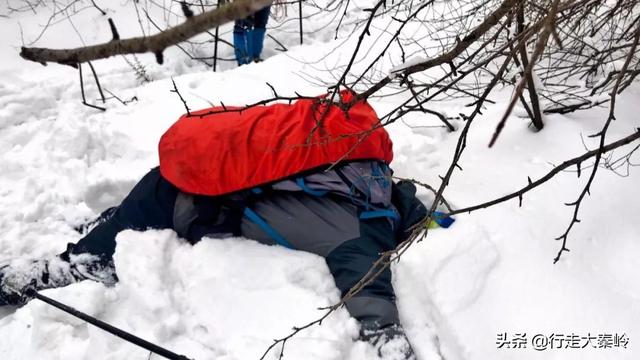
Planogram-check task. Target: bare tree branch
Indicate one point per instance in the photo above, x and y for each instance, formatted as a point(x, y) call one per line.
point(184, 102)
point(602, 134)
point(534, 113)
point(448, 57)
point(155, 44)
point(549, 25)
point(556, 170)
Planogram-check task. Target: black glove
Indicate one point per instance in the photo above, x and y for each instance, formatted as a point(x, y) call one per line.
point(391, 342)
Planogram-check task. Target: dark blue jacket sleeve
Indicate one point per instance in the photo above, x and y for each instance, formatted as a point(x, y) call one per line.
point(374, 306)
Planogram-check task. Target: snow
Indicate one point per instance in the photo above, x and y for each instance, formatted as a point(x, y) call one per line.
point(411, 62)
point(491, 272)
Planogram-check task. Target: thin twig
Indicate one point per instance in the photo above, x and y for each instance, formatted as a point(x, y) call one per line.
point(175, 90)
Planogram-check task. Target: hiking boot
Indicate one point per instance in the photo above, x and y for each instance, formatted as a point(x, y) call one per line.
point(391, 342)
point(8, 296)
point(19, 276)
point(257, 60)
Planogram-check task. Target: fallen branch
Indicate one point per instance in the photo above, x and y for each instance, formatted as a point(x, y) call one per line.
point(155, 44)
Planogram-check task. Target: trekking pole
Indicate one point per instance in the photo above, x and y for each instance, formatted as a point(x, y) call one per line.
point(215, 45)
point(108, 328)
point(300, 17)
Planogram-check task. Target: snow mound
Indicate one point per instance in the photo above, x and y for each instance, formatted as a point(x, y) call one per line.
point(219, 299)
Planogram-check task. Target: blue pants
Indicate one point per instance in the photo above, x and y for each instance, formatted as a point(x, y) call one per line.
point(248, 36)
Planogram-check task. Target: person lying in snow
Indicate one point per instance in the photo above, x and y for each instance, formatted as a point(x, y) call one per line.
point(228, 173)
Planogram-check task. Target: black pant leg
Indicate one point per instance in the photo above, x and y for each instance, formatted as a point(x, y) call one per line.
point(149, 205)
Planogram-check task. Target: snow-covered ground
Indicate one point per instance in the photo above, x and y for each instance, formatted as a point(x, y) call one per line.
point(491, 273)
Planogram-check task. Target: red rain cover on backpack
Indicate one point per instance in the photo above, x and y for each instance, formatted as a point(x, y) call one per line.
point(214, 154)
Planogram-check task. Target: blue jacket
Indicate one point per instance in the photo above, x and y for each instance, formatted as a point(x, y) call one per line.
point(348, 215)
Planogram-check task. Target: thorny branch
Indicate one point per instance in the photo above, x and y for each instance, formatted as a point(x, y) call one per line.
point(577, 161)
point(175, 90)
point(419, 230)
point(548, 26)
point(602, 134)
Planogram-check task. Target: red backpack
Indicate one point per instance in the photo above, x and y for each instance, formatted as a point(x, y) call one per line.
point(221, 150)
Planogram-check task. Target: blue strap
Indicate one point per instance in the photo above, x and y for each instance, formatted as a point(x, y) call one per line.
point(251, 215)
point(371, 214)
point(305, 188)
point(257, 190)
point(378, 172)
point(444, 222)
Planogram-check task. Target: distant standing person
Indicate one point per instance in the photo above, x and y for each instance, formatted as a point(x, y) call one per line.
point(248, 36)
